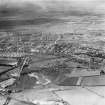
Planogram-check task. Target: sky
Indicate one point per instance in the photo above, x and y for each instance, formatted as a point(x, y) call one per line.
point(51, 7)
point(56, 9)
point(90, 5)
point(82, 3)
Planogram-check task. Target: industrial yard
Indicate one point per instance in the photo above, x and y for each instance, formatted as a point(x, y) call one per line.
point(48, 61)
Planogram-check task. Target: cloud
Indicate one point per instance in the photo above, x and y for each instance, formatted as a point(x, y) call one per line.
point(24, 12)
point(51, 7)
